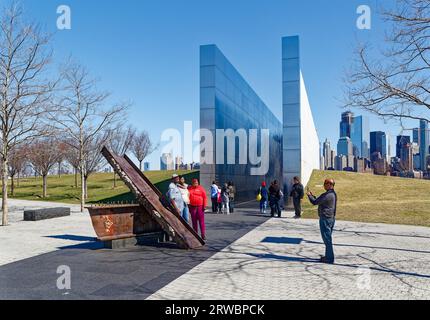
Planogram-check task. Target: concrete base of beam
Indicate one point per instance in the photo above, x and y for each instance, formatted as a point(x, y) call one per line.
point(147, 239)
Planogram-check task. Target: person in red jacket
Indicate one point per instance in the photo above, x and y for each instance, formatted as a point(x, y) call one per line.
point(198, 202)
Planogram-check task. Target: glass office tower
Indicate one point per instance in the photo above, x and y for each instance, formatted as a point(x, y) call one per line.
point(345, 147)
point(378, 143)
point(416, 135)
point(228, 102)
point(401, 141)
point(424, 144)
point(345, 126)
point(360, 136)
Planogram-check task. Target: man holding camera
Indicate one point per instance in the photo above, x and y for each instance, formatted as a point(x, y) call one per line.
point(326, 203)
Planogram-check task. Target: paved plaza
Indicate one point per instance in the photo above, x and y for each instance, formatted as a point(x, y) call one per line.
point(278, 261)
point(247, 257)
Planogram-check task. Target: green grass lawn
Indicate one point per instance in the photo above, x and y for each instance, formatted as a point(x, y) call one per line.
point(100, 187)
point(378, 199)
point(362, 197)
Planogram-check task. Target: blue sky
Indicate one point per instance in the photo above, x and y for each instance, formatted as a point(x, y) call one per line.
point(148, 52)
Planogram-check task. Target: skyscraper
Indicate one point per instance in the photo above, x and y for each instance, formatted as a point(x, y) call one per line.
point(416, 136)
point(360, 136)
point(388, 146)
point(166, 162)
point(378, 143)
point(357, 129)
point(424, 144)
point(178, 162)
point(345, 124)
point(341, 162)
point(344, 147)
point(406, 156)
point(327, 155)
point(401, 141)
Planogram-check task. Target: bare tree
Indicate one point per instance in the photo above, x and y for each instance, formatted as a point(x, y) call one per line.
point(71, 155)
point(43, 155)
point(397, 84)
point(81, 115)
point(142, 147)
point(95, 160)
point(121, 142)
point(25, 91)
point(61, 149)
point(17, 161)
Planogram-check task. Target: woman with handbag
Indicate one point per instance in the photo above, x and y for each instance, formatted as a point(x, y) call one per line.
point(263, 197)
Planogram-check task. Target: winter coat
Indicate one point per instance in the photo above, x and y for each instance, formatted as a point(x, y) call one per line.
point(197, 196)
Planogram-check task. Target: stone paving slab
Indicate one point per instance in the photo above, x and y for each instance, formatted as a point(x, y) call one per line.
point(277, 261)
point(131, 273)
point(26, 239)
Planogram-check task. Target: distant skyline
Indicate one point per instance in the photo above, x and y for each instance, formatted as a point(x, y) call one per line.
point(148, 52)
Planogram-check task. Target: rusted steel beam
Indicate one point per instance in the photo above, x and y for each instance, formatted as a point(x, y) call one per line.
point(150, 200)
point(121, 221)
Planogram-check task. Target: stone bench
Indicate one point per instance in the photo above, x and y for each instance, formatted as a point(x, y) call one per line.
point(43, 214)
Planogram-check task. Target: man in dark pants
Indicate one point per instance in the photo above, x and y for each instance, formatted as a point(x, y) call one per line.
point(326, 203)
point(274, 199)
point(297, 193)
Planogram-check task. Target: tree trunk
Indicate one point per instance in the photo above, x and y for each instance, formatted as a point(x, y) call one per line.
point(45, 185)
point(12, 186)
point(82, 189)
point(114, 180)
point(59, 169)
point(86, 187)
point(17, 180)
point(5, 207)
point(76, 178)
point(140, 165)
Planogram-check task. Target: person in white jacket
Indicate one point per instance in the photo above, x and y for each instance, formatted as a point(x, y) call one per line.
point(214, 196)
point(183, 188)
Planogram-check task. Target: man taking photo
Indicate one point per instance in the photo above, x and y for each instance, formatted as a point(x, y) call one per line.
point(326, 203)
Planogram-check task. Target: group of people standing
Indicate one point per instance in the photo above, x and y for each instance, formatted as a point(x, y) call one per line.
point(190, 201)
point(223, 198)
point(272, 197)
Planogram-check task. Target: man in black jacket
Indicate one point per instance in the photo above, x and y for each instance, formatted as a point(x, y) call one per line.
point(327, 204)
point(297, 193)
point(274, 197)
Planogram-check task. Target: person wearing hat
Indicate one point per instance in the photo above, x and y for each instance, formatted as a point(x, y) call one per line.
point(198, 202)
point(175, 197)
point(263, 195)
point(327, 203)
